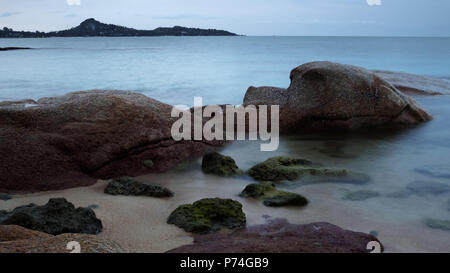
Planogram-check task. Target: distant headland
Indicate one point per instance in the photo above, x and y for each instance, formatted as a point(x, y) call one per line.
point(94, 28)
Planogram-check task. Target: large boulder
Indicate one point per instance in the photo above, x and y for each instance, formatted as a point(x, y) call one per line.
point(130, 186)
point(279, 236)
point(73, 140)
point(331, 96)
point(208, 215)
point(56, 217)
point(16, 239)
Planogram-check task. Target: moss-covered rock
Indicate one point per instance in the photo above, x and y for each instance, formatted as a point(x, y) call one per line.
point(129, 186)
point(271, 196)
point(148, 163)
point(438, 224)
point(361, 195)
point(208, 215)
point(284, 168)
point(215, 163)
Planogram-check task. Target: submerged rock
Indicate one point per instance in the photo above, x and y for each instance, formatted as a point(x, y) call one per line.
point(272, 197)
point(279, 236)
point(208, 215)
point(437, 171)
point(75, 139)
point(215, 163)
point(16, 239)
point(438, 224)
point(329, 96)
point(58, 216)
point(361, 195)
point(130, 186)
point(4, 196)
point(282, 168)
point(428, 188)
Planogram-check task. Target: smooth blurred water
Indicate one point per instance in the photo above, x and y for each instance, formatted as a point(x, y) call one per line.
point(175, 69)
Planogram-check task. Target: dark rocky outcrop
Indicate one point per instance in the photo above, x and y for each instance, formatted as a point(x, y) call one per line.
point(272, 197)
point(208, 215)
point(56, 217)
point(283, 168)
point(416, 84)
point(279, 236)
point(361, 195)
point(129, 186)
point(438, 224)
point(16, 239)
point(330, 96)
point(215, 163)
point(73, 140)
point(94, 28)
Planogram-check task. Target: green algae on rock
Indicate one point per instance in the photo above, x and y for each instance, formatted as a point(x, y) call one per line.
point(282, 168)
point(208, 215)
point(129, 186)
point(272, 197)
point(215, 163)
point(361, 195)
point(438, 224)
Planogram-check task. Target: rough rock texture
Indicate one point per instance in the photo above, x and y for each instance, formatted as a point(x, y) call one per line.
point(208, 215)
point(271, 196)
point(56, 217)
point(16, 239)
point(129, 186)
point(282, 168)
point(438, 224)
point(215, 163)
point(361, 195)
point(74, 139)
point(279, 236)
point(416, 84)
point(330, 96)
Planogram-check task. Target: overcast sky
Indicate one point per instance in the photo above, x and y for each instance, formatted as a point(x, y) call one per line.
point(249, 17)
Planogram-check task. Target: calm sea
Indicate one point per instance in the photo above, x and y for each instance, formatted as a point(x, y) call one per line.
point(174, 69)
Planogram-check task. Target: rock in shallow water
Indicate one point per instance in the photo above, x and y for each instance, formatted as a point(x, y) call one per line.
point(16, 239)
point(439, 171)
point(208, 215)
point(428, 188)
point(438, 224)
point(361, 195)
point(279, 236)
point(215, 163)
point(56, 217)
point(272, 197)
point(330, 96)
point(130, 186)
point(73, 140)
point(282, 168)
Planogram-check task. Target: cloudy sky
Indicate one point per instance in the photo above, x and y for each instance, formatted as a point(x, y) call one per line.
point(250, 17)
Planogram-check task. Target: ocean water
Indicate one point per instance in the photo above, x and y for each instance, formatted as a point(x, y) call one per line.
point(175, 69)
point(409, 169)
